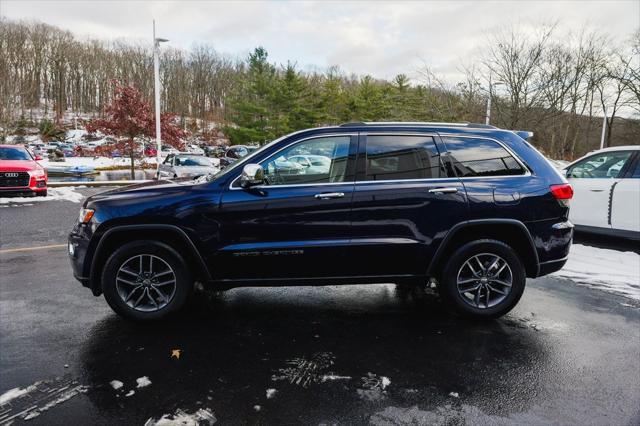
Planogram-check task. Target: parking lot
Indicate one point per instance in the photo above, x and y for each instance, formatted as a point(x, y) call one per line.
point(379, 354)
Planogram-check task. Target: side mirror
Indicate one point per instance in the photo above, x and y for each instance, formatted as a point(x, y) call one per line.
point(38, 157)
point(252, 174)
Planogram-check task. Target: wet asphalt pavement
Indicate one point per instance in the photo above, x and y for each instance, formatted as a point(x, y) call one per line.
point(328, 355)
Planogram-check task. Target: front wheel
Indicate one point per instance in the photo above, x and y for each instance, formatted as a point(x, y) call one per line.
point(483, 279)
point(146, 280)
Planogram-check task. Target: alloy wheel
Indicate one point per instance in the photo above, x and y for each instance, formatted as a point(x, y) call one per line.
point(146, 283)
point(484, 280)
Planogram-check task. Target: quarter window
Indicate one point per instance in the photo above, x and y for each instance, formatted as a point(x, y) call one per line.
point(318, 160)
point(402, 157)
point(480, 157)
point(604, 165)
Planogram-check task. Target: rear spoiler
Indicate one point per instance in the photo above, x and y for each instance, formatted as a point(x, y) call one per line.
point(524, 134)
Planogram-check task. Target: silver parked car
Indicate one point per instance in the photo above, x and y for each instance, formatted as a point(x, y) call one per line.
point(186, 165)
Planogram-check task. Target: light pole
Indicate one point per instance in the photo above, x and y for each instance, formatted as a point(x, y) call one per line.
point(491, 85)
point(604, 127)
point(488, 116)
point(156, 75)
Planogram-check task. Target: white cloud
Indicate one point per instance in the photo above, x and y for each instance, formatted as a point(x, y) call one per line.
point(377, 38)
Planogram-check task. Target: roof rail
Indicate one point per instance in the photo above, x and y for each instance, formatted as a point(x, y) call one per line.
point(416, 123)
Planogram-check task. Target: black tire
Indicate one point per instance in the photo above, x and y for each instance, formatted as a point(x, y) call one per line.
point(41, 194)
point(183, 280)
point(464, 303)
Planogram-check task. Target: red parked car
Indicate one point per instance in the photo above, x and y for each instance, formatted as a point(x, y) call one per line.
point(20, 173)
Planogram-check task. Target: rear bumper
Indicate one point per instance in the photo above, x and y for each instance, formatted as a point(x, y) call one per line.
point(551, 266)
point(552, 240)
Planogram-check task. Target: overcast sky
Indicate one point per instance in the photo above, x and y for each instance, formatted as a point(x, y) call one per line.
point(377, 38)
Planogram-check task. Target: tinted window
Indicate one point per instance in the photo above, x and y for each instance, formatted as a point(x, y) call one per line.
point(402, 157)
point(604, 165)
point(480, 157)
point(290, 166)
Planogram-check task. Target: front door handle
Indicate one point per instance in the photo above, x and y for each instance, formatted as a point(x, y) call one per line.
point(328, 195)
point(449, 190)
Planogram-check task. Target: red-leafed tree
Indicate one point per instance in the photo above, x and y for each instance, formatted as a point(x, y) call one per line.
point(128, 117)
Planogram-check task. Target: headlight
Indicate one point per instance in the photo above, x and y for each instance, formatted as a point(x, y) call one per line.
point(38, 173)
point(85, 215)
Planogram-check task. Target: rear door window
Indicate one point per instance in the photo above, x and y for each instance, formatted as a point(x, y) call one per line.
point(472, 157)
point(401, 157)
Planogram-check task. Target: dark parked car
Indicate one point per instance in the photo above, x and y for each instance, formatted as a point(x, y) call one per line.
point(235, 153)
point(475, 207)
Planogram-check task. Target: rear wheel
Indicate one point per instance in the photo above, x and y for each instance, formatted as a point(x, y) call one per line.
point(41, 193)
point(484, 279)
point(146, 280)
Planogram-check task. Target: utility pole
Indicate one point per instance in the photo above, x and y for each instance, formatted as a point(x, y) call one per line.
point(156, 75)
point(604, 127)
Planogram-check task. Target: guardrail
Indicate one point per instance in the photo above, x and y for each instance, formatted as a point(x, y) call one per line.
point(92, 183)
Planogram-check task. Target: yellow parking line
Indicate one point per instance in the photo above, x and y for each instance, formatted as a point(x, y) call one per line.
point(15, 250)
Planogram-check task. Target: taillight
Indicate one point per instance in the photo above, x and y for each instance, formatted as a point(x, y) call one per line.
point(562, 192)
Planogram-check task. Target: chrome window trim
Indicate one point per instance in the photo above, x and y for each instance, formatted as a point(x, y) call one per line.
point(326, 135)
point(388, 133)
point(527, 171)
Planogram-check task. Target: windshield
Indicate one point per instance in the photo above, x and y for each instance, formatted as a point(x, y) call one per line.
point(14, 154)
point(184, 160)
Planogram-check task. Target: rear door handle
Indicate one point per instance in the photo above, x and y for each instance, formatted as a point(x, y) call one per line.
point(449, 190)
point(328, 195)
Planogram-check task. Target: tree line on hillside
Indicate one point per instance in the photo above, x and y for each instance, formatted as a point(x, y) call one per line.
point(552, 83)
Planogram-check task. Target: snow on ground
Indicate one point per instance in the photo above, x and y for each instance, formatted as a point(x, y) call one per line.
point(201, 417)
point(14, 393)
point(116, 384)
point(65, 193)
point(96, 162)
point(609, 270)
point(143, 381)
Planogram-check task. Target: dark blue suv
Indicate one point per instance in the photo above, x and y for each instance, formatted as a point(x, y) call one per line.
point(475, 207)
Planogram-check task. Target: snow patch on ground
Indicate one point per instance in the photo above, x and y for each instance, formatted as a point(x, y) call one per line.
point(331, 377)
point(130, 393)
point(271, 393)
point(142, 382)
point(609, 270)
point(116, 384)
point(96, 162)
point(65, 193)
point(204, 416)
point(15, 393)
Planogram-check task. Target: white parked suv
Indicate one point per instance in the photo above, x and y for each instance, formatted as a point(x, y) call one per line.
point(606, 186)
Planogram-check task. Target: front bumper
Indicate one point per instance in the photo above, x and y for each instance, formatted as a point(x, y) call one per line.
point(24, 191)
point(77, 247)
